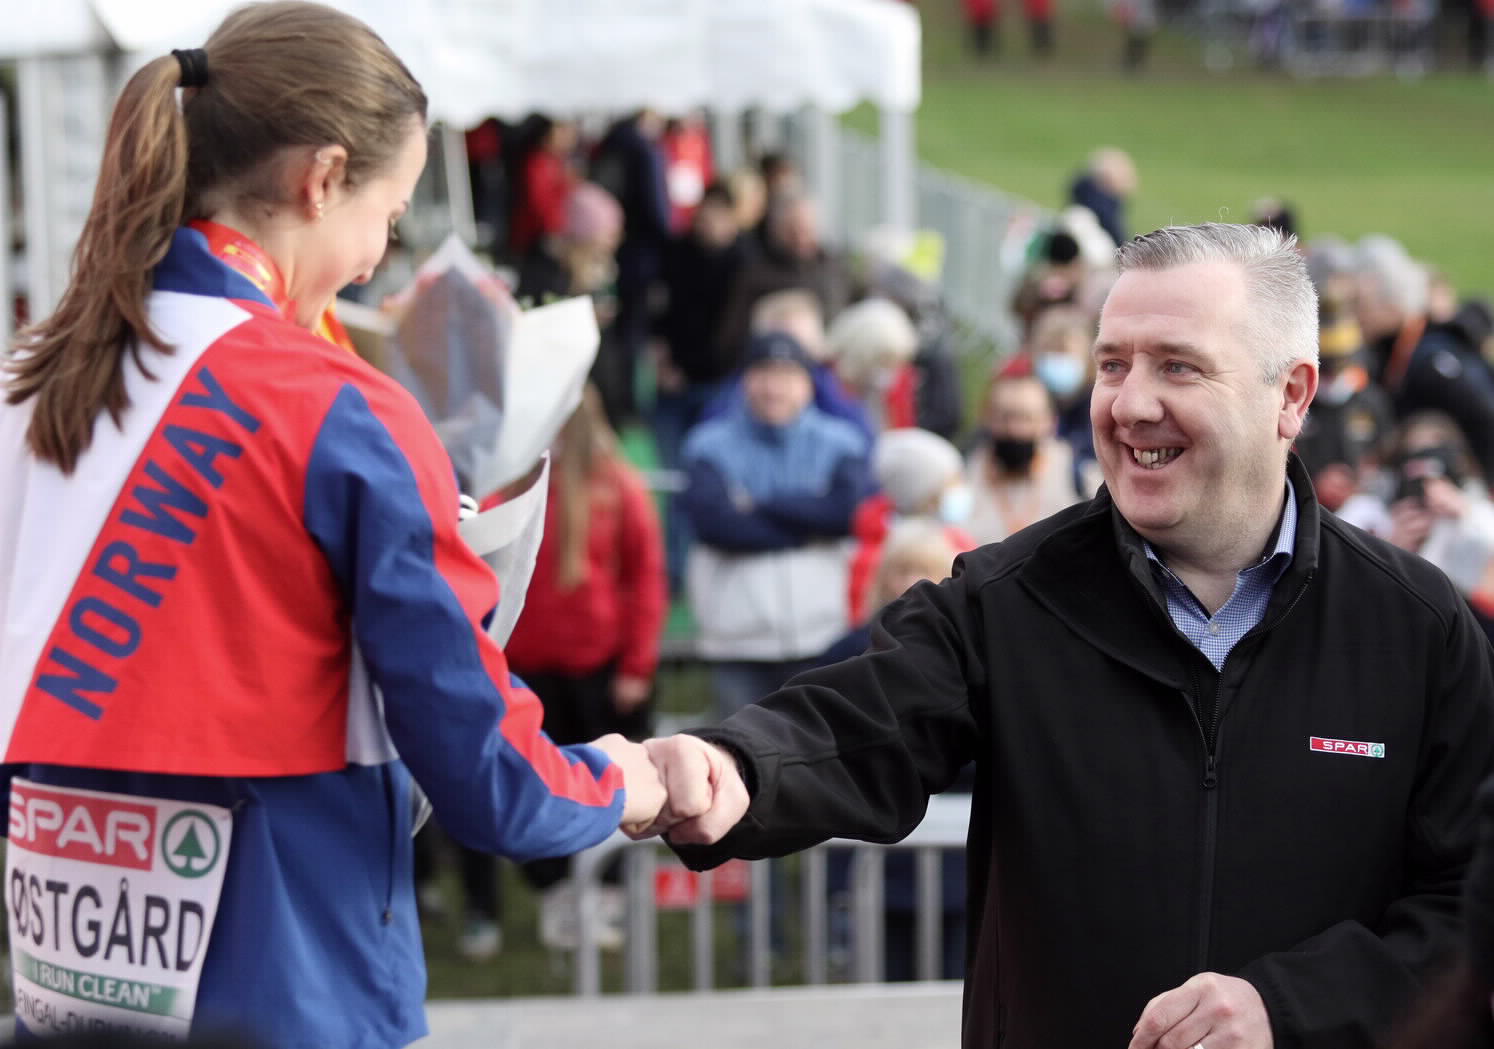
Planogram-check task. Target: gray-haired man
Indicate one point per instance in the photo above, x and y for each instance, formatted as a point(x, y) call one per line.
point(1226, 745)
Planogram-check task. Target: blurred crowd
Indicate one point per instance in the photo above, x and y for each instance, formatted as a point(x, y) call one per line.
point(1345, 35)
point(820, 447)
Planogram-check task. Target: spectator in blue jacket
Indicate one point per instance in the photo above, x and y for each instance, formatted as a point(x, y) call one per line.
point(773, 484)
point(797, 312)
point(1104, 187)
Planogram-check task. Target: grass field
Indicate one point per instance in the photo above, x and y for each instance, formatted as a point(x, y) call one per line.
point(1411, 158)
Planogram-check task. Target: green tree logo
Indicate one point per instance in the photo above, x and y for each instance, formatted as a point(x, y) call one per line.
point(190, 844)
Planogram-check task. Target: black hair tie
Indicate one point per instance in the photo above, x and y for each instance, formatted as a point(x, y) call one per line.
point(193, 61)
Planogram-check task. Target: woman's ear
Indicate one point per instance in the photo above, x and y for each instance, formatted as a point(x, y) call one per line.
point(322, 179)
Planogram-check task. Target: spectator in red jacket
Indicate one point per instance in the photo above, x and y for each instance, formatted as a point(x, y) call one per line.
point(983, 18)
point(587, 642)
point(688, 167)
point(588, 639)
point(545, 181)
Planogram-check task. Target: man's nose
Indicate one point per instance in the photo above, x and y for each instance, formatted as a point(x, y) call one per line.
point(1137, 400)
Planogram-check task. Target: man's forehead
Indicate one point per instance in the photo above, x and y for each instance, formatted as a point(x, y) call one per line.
point(1192, 295)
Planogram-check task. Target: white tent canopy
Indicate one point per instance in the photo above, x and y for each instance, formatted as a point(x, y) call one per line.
point(478, 58)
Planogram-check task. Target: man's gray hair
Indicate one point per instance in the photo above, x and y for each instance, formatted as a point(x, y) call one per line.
point(1281, 319)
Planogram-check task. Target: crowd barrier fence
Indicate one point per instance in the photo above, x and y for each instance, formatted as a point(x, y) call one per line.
point(944, 827)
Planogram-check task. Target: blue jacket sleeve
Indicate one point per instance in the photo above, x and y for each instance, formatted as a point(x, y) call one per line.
point(831, 399)
point(384, 512)
point(826, 514)
point(719, 522)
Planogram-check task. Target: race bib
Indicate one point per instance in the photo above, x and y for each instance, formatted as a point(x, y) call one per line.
point(111, 901)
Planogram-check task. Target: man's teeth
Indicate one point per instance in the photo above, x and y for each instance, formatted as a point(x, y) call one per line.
point(1152, 458)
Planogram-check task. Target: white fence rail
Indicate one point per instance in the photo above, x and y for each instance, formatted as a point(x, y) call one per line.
point(943, 828)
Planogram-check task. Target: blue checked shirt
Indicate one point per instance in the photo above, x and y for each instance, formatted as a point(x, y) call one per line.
point(1215, 636)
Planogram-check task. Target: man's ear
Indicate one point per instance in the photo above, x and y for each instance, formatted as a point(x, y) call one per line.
point(1296, 394)
point(321, 178)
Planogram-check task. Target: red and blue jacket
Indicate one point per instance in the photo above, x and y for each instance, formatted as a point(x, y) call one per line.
point(200, 610)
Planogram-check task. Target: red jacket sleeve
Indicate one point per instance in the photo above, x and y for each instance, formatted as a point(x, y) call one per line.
point(642, 588)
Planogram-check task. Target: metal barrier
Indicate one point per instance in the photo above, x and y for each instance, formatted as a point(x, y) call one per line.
point(1319, 39)
point(944, 827)
point(984, 231)
point(1336, 44)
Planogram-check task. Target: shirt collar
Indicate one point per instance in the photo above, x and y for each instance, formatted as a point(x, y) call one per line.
point(1280, 557)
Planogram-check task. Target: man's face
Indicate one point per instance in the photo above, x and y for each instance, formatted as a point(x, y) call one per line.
point(1189, 436)
point(1377, 316)
point(777, 391)
point(715, 224)
point(799, 231)
point(1019, 408)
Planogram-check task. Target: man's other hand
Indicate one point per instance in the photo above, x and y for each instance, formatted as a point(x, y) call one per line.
point(1210, 1010)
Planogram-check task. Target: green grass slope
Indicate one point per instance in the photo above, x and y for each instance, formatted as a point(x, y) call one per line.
point(1414, 158)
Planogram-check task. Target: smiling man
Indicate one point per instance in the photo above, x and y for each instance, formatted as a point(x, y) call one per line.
point(1225, 744)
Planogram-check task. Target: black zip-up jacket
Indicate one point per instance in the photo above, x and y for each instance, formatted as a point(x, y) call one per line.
point(1120, 842)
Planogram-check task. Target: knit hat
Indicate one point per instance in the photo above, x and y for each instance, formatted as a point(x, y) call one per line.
point(913, 466)
point(770, 346)
point(592, 214)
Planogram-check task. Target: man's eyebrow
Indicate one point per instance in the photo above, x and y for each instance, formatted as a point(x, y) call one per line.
point(1182, 349)
point(1176, 349)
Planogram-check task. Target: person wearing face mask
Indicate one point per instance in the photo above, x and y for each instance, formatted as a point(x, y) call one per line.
point(921, 478)
point(1019, 471)
point(238, 622)
point(1061, 372)
point(1351, 414)
point(1059, 350)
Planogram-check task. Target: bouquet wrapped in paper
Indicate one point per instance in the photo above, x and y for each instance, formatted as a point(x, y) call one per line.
point(497, 382)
